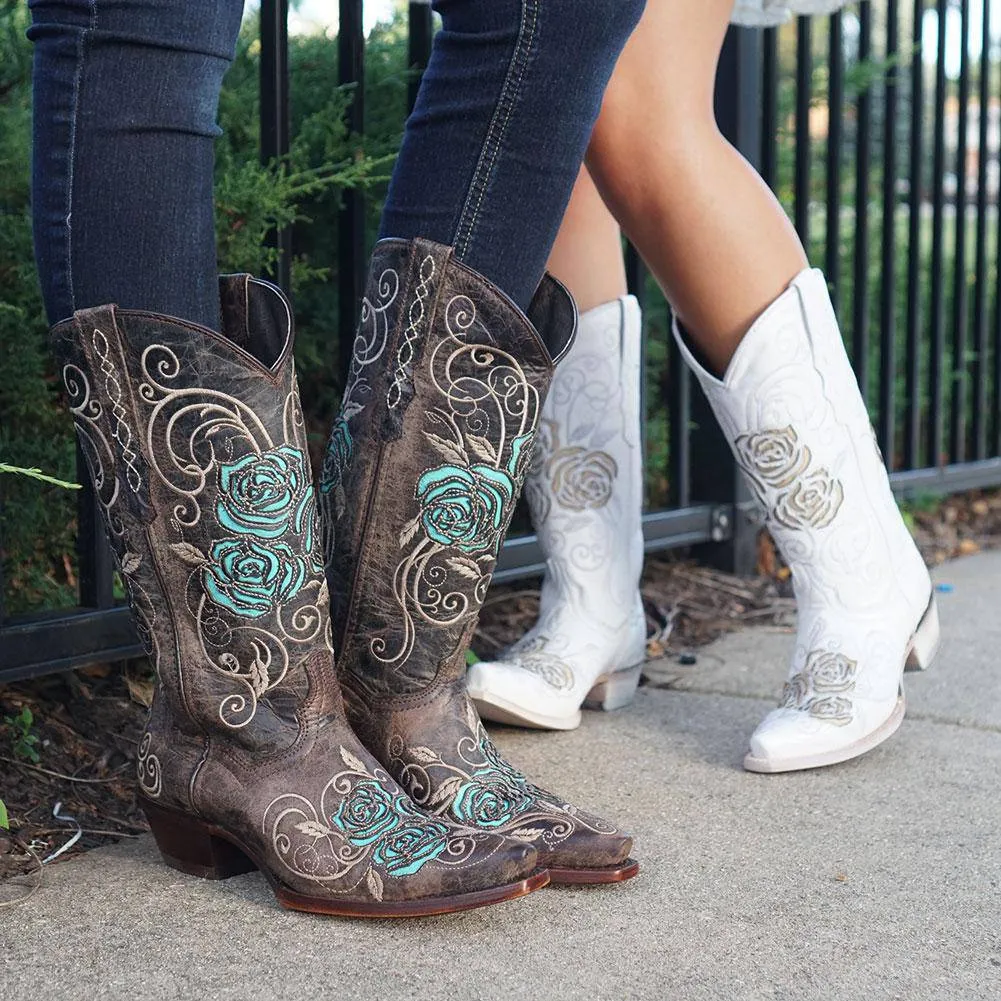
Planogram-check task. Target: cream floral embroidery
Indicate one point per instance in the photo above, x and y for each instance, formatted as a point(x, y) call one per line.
point(776, 461)
point(581, 480)
point(774, 457)
point(530, 655)
point(811, 502)
point(823, 688)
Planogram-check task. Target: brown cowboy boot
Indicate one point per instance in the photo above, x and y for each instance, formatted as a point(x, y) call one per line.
point(197, 448)
point(422, 472)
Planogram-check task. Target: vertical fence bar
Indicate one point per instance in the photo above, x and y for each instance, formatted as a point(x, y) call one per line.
point(419, 31)
point(995, 337)
point(863, 166)
point(715, 477)
point(3, 584)
point(769, 106)
point(935, 430)
point(680, 435)
point(980, 374)
point(804, 93)
point(351, 219)
point(886, 428)
point(274, 87)
point(960, 299)
point(835, 143)
point(912, 406)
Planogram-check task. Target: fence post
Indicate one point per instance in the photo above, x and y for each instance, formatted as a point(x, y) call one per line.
point(274, 87)
point(715, 477)
point(351, 258)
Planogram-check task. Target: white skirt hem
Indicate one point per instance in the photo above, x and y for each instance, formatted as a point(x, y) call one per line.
point(770, 13)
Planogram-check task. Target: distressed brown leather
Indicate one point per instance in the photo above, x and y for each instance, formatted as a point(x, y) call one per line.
point(420, 480)
point(197, 447)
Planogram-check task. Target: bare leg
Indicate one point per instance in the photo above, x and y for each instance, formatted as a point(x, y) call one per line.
point(707, 225)
point(734, 269)
point(587, 255)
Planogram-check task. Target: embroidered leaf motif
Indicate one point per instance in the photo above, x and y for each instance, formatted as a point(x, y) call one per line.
point(188, 553)
point(314, 829)
point(464, 568)
point(525, 833)
point(445, 793)
point(486, 558)
point(350, 409)
point(374, 881)
point(409, 530)
point(352, 762)
point(259, 679)
point(449, 449)
point(483, 447)
point(323, 597)
point(131, 562)
point(422, 755)
point(473, 719)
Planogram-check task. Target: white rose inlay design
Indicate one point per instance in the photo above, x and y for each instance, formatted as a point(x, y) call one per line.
point(823, 688)
point(778, 466)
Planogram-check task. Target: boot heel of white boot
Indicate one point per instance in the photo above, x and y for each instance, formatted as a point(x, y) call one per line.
point(614, 690)
point(926, 640)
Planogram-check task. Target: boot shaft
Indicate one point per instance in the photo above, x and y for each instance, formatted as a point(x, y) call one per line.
point(427, 459)
point(585, 483)
point(196, 445)
point(790, 406)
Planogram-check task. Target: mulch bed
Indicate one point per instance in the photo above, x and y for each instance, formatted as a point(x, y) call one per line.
point(88, 722)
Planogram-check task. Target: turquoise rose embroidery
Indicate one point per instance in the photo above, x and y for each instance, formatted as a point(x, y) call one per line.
point(408, 849)
point(489, 800)
point(464, 506)
point(251, 578)
point(367, 814)
point(263, 495)
point(339, 450)
point(522, 445)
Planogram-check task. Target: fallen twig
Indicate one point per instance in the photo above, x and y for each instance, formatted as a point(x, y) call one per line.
point(66, 778)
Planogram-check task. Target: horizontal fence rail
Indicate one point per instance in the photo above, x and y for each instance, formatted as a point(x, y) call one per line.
point(880, 129)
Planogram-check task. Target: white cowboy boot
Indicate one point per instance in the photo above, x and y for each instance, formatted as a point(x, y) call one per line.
point(585, 491)
point(791, 409)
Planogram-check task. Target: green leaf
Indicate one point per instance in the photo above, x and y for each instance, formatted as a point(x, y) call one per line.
point(4, 818)
point(471, 658)
point(37, 474)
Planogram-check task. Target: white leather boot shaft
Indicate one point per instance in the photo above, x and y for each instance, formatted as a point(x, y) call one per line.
point(585, 491)
point(791, 409)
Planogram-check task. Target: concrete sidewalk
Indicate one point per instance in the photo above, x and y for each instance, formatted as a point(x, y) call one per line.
point(872, 880)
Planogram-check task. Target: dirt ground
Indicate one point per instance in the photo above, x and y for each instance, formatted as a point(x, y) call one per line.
point(87, 723)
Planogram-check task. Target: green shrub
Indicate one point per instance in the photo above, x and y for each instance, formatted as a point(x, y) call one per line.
point(37, 520)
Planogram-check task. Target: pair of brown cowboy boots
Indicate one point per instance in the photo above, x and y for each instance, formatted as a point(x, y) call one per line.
point(392, 801)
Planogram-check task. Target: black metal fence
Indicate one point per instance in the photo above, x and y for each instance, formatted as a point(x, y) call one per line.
point(881, 128)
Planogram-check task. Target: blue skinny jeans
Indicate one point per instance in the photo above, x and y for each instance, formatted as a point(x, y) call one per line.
point(125, 100)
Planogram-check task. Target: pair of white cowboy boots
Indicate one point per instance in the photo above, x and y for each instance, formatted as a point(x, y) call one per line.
point(790, 407)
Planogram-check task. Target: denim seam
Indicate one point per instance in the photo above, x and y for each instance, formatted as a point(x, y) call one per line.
point(498, 127)
point(71, 172)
